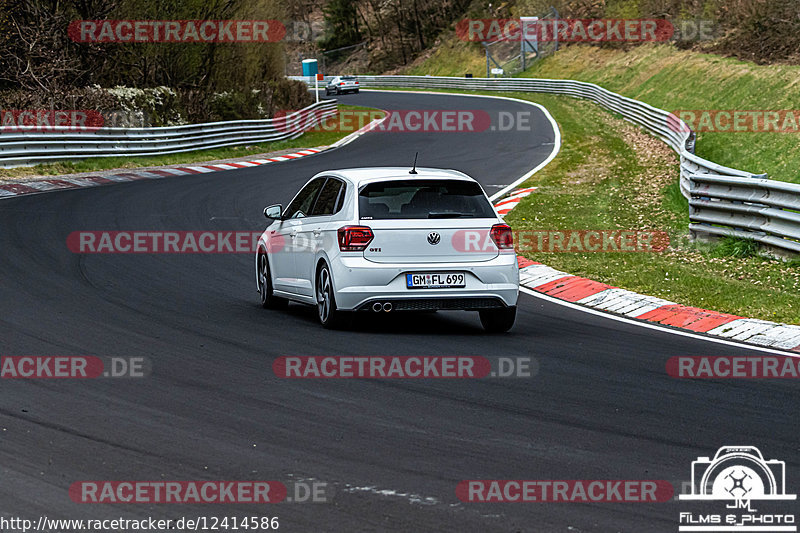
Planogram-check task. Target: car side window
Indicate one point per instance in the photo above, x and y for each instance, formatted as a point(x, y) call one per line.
point(340, 201)
point(327, 199)
point(301, 205)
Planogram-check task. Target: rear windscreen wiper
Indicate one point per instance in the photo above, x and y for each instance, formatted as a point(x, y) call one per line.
point(445, 214)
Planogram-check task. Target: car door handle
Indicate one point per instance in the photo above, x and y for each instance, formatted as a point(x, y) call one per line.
point(317, 232)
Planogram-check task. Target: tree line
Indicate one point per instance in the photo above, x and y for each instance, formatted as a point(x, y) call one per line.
point(36, 52)
point(763, 31)
point(42, 65)
point(397, 30)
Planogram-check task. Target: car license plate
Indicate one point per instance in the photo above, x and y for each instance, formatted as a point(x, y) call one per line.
point(435, 280)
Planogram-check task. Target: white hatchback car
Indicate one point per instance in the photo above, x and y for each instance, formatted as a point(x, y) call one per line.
point(388, 240)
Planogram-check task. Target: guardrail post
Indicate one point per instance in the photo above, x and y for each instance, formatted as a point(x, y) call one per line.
point(691, 141)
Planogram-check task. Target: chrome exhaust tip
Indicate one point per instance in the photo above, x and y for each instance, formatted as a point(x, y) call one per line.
point(387, 307)
point(377, 307)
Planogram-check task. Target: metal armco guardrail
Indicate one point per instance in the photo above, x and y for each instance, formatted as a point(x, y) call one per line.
point(21, 146)
point(722, 200)
point(759, 209)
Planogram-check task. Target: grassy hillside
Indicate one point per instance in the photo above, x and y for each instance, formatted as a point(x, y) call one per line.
point(672, 79)
point(452, 57)
point(679, 80)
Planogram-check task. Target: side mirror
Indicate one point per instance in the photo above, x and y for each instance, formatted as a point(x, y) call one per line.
point(273, 212)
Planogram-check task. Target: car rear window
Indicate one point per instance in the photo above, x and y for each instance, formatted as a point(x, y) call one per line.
point(410, 199)
point(348, 77)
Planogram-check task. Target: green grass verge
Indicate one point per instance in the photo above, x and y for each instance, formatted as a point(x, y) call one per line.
point(308, 140)
point(670, 79)
point(673, 79)
point(610, 174)
point(452, 57)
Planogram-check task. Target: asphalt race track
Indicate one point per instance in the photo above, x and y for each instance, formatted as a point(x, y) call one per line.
point(601, 406)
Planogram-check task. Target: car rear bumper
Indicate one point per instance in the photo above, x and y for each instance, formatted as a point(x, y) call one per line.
point(360, 283)
point(465, 303)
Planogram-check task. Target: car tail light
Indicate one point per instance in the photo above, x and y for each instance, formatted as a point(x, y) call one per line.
point(354, 238)
point(502, 236)
point(356, 83)
point(341, 83)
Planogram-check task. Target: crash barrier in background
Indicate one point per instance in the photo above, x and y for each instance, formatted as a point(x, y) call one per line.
point(723, 201)
point(24, 146)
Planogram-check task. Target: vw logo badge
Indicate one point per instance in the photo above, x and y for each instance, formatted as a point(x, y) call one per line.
point(434, 238)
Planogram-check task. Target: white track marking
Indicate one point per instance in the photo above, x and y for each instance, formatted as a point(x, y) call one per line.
point(649, 325)
point(173, 171)
point(358, 133)
point(624, 302)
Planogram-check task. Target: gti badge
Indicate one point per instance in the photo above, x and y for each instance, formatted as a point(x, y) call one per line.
point(434, 238)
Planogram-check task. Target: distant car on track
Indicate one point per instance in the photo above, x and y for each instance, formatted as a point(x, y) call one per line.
point(388, 240)
point(342, 85)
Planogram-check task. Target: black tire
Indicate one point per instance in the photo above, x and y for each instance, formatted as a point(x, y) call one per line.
point(356, 91)
point(268, 300)
point(329, 316)
point(498, 320)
